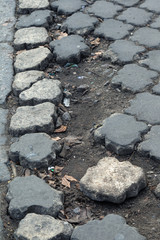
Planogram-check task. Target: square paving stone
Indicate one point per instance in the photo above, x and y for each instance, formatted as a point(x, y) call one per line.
point(45, 90)
point(134, 78)
point(120, 132)
point(113, 30)
point(123, 51)
point(135, 16)
point(127, 3)
point(67, 7)
point(27, 38)
point(32, 195)
point(79, 23)
point(30, 119)
point(30, 5)
point(151, 5)
point(147, 36)
point(24, 80)
point(146, 107)
point(39, 18)
point(69, 49)
point(104, 9)
point(156, 23)
point(152, 60)
point(34, 59)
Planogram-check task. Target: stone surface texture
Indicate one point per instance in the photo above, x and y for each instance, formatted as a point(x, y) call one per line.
point(32, 194)
point(111, 227)
point(30, 119)
point(156, 23)
point(67, 7)
point(120, 133)
point(126, 3)
point(35, 150)
point(45, 227)
point(157, 191)
point(156, 89)
point(114, 182)
point(151, 5)
point(152, 60)
point(3, 122)
point(29, 5)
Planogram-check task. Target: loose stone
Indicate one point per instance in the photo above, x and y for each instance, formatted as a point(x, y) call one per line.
point(112, 181)
point(79, 23)
point(157, 191)
point(30, 119)
point(109, 29)
point(35, 226)
point(69, 49)
point(34, 59)
point(120, 133)
point(32, 194)
point(35, 150)
point(29, 5)
point(151, 5)
point(66, 117)
point(126, 2)
point(67, 7)
point(134, 78)
point(152, 60)
point(111, 227)
point(45, 90)
point(27, 38)
point(146, 107)
point(24, 80)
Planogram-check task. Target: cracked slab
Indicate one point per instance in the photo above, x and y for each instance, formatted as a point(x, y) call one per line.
point(146, 107)
point(34, 59)
point(120, 133)
point(114, 182)
point(127, 3)
point(67, 7)
point(113, 29)
point(151, 5)
point(69, 49)
point(30, 119)
point(134, 78)
point(79, 23)
point(32, 195)
point(152, 60)
point(30, 5)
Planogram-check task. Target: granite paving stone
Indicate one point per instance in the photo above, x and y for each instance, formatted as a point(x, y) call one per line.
point(146, 107)
point(114, 182)
point(147, 36)
point(113, 29)
point(45, 90)
point(32, 195)
point(4, 172)
point(27, 38)
point(134, 78)
point(67, 7)
point(69, 49)
point(127, 3)
point(151, 144)
point(39, 18)
point(151, 5)
point(111, 227)
point(45, 227)
point(123, 51)
point(3, 154)
point(24, 80)
point(152, 60)
point(156, 23)
point(34, 59)
point(104, 9)
point(30, 5)
point(30, 119)
point(79, 23)
point(135, 16)
point(120, 133)
point(34, 150)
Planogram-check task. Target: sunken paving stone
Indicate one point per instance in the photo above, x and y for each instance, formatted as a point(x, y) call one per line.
point(30, 119)
point(39, 18)
point(113, 30)
point(34, 150)
point(114, 182)
point(151, 144)
point(136, 16)
point(32, 37)
point(157, 191)
point(34, 59)
point(123, 51)
point(156, 23)
point(45, 227)
point(134, 78)
point(32, 195)
point(79, 23)
point(126, 2)
point(104, 9)
point(112, 227)
point(45, 90)
point(3, 122)
point(69, 49)
point(146, 107)
point(24, 80)
point(147, 36)
point(120, 132)
point(151, 5)
point(30, 5)
point(152, 60)
point(67, 7)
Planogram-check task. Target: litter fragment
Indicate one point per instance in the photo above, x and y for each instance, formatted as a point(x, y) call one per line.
point(51, 169)
point(66, 102)
point(67, 179)
point(61, 129)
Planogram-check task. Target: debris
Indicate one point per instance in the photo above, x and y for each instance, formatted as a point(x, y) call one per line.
point(14, 170)
point(51, 169)
point(65, 182)
point(51, 183)
point(66, 102)
point(82, 88)
point(56, 138)
point(66, 116)
point(81, 77)
point(58, 169)
point(61, 129)
point(67, 179)
point(69, 65)
point(72, 140)
point(95, 42)
point(27, 172)
point(62, 35)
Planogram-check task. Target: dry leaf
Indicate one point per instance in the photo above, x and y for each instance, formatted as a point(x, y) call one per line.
point(72, 140)
point(42, 175)
point(56, 138)
point(62, 35)
point(27, 172)
point(95, 42)
point(58, 169)
point(51, 183)
point(65, 182)
point(61, 129)
point(70, 178)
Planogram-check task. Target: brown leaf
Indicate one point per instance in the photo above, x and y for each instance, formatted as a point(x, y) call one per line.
point(58, 169)
point(70, 178)
point(62, 35)
point(42, 175)
point(56, 138)
point(27, 172)
point(95, 42)
point(65, 182)
point(51, 183)
point(72, 140)
point(61, 129)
